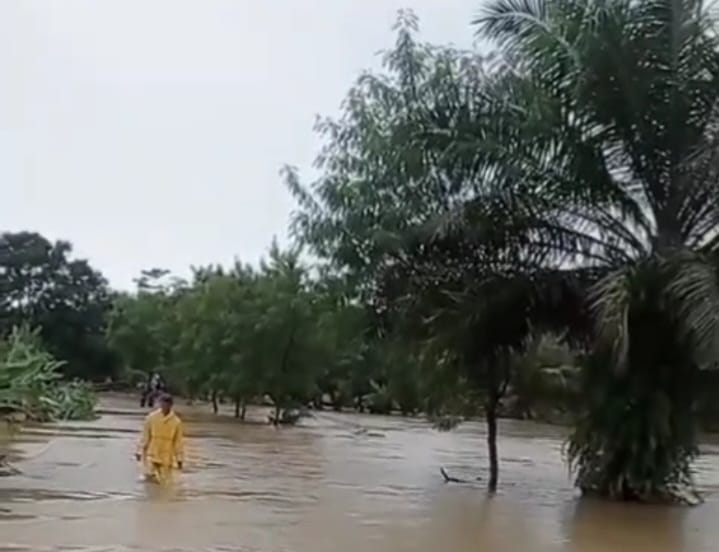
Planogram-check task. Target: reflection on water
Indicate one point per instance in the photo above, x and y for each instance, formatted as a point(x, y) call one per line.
point(342, 482)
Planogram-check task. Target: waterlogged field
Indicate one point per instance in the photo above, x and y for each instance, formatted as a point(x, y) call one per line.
point(340, 482)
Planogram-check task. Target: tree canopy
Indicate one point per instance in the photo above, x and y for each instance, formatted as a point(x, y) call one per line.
point(43, 287)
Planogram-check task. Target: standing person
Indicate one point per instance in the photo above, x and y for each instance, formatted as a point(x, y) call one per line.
point(153, 388)
point(145, 391)
point(161, 447)
point(156, 382)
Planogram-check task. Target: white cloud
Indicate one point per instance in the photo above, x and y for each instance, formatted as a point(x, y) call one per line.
point(151, 132)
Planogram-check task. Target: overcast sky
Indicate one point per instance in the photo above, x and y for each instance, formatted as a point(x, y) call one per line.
point(150, 133)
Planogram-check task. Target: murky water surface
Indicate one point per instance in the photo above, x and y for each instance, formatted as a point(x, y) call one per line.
point(339, 483)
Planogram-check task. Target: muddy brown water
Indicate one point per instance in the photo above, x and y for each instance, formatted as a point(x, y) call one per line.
point(339, 483)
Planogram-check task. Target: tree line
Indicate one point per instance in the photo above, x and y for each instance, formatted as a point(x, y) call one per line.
point(552, 203)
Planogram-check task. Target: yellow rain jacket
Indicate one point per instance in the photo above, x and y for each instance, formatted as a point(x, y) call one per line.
point(162, 440)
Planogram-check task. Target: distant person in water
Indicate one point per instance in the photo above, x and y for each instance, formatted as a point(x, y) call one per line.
point(154, 386)
point(146, 390)
point(161, 447)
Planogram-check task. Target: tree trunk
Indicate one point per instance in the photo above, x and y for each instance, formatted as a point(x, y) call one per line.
point(495, 391)
point(215, 407)
point(491, 416)
point(283, 370)
point(237, 407)
point(243, 410)
point(336, 401)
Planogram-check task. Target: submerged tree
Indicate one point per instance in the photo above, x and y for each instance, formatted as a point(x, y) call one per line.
point(371, 214)
point(574, 176)
point(286, 331)
point(240, 334)
point(142, 328)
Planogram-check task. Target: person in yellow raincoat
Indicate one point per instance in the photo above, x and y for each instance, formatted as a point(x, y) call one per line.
point(161, 447)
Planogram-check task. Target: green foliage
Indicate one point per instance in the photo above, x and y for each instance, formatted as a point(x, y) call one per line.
point(141, 328)
point(41, 286)
point(73, 400)
point(286, 330)
point(245, 334)
point(544, 381)
point(30, 382)
point(636, 437)
point(342, 325)
point(379, 401)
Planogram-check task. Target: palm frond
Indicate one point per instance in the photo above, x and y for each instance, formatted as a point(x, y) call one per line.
point(693, 289)
point(610, 303)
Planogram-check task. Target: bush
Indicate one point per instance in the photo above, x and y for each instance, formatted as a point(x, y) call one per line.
point(30, 382)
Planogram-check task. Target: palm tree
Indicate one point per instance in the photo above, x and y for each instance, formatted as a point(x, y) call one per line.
point(602, 147)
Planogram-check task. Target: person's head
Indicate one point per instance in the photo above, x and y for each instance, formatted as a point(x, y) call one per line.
point(166, 403)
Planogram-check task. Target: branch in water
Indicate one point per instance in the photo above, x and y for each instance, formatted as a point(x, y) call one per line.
point(449, 479)
point(6, 468)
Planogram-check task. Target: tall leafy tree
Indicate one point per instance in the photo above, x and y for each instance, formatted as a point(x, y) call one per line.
point(239, 334)
point(344, 333)
point(286, 330)
point(384, 187)
point(214, 347)
point(42, 286)
point(143, 326)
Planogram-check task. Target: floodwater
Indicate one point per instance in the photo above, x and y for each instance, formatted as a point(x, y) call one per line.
point(339, 483)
